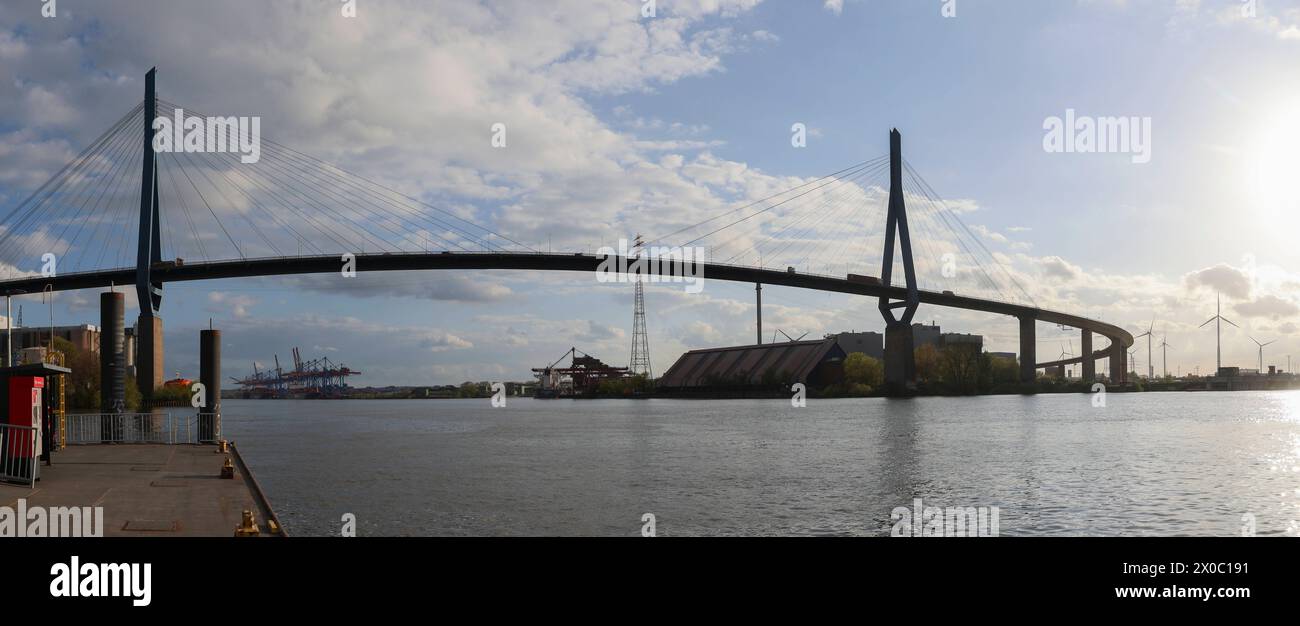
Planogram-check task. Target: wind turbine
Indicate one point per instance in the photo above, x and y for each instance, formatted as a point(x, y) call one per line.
point(1150, 372)
point(1164, 355)
point(1218, 350)
point(1261, 352)
point(1133, 361)
point(1065, 353)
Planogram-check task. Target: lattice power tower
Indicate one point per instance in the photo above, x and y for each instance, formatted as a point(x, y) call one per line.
point(640, 362)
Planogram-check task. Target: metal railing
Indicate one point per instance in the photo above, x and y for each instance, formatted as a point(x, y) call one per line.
point(18, 454)
point(162, 428)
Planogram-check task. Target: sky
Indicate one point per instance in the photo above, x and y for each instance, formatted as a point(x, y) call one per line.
point(619, 122)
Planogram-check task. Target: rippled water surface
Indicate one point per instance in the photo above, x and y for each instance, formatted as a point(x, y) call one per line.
point(1145, 464)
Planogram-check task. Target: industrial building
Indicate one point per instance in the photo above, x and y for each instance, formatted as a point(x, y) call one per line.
point(814, 363)
point(777, 365)
point(870, 344)
point(931, 334)
point(84, 337)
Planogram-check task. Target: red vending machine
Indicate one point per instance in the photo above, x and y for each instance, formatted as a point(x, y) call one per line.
point(25, 410)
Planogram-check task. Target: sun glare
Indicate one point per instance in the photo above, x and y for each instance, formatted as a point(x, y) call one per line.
point(1274, 167)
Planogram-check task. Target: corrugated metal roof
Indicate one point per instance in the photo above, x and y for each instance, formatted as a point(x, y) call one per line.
point(727, 365)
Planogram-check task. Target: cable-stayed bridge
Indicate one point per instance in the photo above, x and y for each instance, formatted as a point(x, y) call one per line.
point(124, 212)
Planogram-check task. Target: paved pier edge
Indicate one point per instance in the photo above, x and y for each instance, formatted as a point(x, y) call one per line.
point(266, 514)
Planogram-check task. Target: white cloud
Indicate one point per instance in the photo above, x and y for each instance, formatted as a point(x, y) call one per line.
point(1226, 279)
point(1269, 306)
point(234, 304)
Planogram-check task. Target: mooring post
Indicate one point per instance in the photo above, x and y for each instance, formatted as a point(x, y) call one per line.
point(112, 365)
point(210, 378)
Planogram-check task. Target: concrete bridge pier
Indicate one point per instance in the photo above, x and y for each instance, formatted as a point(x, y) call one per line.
point(900, 358)
point(1118, 363)
point(1028, 355)
point(149, 363)
point(1089, 364)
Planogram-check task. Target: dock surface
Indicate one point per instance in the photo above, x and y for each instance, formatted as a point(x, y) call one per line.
point(149, 489)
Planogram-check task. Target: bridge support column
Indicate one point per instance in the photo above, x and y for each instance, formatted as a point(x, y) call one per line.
point(1089, 365)
point(1028, 352)
point(900, 361)
point(149, 362)
point(900, 358)
point(1118, 363)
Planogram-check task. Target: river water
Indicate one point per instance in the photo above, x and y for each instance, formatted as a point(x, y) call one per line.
point(1144, 464)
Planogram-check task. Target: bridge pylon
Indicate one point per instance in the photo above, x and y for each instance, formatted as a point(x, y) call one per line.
point(149, 340)
point(900, 360)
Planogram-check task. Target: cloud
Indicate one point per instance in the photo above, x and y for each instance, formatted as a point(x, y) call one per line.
point(453, 287)
point(1271, 307)
point(1056, 267)
point(1228, 280)
point(834, 6)
point(440, 342)
point(235, 304)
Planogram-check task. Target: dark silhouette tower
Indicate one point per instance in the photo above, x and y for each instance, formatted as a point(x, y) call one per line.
point(149, 330)
point(112, 366)
point(640, 361)
point(900, 362)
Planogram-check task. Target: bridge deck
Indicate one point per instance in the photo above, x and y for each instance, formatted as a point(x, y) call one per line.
point(581, 262)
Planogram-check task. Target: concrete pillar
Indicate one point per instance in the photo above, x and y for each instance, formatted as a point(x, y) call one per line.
point(149, 349)
point(210, 377)
point(758, 308)
point(1118, 363)
point(1089, 365)
point(1028, 352)
point(112, 364)
point(900, 358)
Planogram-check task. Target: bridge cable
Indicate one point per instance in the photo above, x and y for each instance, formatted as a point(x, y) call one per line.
point(761, 201)
point(323, 166)
point(820, 216)
point(752, 215)
point(61, 177)
point(826, 199)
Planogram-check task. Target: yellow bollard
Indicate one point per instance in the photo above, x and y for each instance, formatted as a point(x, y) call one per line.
point(223, 446)
point(228, 470)
point(249, 527)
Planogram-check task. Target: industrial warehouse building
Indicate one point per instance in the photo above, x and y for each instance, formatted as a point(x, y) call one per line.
point(733, 369)
point(739, 369)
